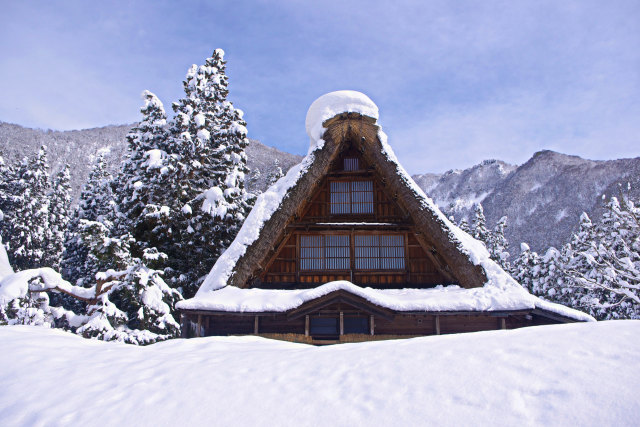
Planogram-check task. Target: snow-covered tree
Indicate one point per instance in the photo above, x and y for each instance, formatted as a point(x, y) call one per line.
point(275, 174)
point(605, 262)
point(464, 226)
point(147, 193)
point(28, 224)
point(95, 204)
point(498, 246)
point(59, 217)
point(526, 268)
point(210, 137)
point(479, 225)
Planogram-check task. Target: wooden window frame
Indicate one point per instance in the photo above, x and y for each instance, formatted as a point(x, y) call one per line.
point(352, 252)
point(350, 193)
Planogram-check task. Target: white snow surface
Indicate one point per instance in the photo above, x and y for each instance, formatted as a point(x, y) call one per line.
point(438, 299)
point(332, 104)
point(326, 107)
point(5, 266)
point(582, 374)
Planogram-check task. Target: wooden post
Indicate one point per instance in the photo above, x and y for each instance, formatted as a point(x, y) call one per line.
point(372, 325)
point(306, 325)
point(437, 325)
point(341, 323)
point(199, 329)
point(255, 325)
point(184, 333)
point(503, 323)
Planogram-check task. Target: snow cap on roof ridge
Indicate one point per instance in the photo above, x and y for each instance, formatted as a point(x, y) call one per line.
point(333, 103)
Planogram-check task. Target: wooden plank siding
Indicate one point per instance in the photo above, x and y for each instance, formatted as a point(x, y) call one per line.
point(401, 325)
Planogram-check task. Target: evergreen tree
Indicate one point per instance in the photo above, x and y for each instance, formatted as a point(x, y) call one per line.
point(479, 225)
point(605, 266)
point(526, 268)
point(498, 245)
point(132, 302)
point(95, 204)
point(29, 223)
point(464, 226)
point(210, 137)
point(275, 174)
point(146, 185)
point(59, 217)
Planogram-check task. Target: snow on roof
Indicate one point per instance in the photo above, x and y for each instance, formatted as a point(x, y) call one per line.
point(327, 106)
point(438, 299)
point(332, 104)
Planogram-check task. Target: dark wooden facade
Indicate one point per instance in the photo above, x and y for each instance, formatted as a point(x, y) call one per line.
point(379, 214)
point(344, 317)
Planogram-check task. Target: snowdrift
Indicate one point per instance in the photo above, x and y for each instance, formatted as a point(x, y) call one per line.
point(575, 374)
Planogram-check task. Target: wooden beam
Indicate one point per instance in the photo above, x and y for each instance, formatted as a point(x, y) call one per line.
point(372, 325)
point(437, 322)
point(341, 323)
point(503, 323)
point(199, 330)
point(306, 325)
point(255, 325)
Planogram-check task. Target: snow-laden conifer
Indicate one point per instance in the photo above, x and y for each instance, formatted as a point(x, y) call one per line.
point(210, 137)
point(95, 204)
point(28, 224)
point(59, 217)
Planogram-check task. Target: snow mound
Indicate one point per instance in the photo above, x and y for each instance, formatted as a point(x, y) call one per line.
point(334, 103)
point(582, 374)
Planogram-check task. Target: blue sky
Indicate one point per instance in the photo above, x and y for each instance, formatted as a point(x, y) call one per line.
point(456, 82)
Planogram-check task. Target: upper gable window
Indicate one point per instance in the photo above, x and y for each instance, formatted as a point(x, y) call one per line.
point(351, 164)
point(351, 197)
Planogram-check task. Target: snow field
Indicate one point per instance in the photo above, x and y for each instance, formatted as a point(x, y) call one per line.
point(576, 374)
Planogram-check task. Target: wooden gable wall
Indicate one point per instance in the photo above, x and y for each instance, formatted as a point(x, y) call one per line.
point(284, 270)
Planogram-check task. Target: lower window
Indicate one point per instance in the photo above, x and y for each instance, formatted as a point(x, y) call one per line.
point(324, 326)
point(379, 252)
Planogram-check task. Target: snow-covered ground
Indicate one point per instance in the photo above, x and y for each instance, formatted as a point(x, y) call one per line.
point(577, 374)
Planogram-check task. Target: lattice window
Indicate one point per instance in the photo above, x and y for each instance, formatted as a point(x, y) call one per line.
point(379, 252)
point(355, 197)
point(328, 252)
point(351, 164)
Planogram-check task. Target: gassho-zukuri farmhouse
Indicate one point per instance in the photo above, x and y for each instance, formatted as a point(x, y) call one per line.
point(346, 247)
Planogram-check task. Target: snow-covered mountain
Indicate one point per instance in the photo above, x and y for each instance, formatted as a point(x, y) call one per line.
point(79, 149)
point(543, 198)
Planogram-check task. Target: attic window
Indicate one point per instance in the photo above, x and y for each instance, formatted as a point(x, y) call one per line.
point(351, 164)
point(351, 197)
point(328, 252)
point(379, 252)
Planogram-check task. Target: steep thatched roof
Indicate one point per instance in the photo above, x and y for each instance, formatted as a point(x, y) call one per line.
point(348, 131)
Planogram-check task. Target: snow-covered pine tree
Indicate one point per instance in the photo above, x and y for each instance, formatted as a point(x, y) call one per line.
point(95, 204)
point(211, 138)
point(5, 179)
point(254, 181)
point(464, 226)
point(498, 245)
point(606, 267)
point(146, 185)
point(275, 174)
point(59, 217)
point(29, 222)
point(479, 225)
point(526, 268)
point(132, 302)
